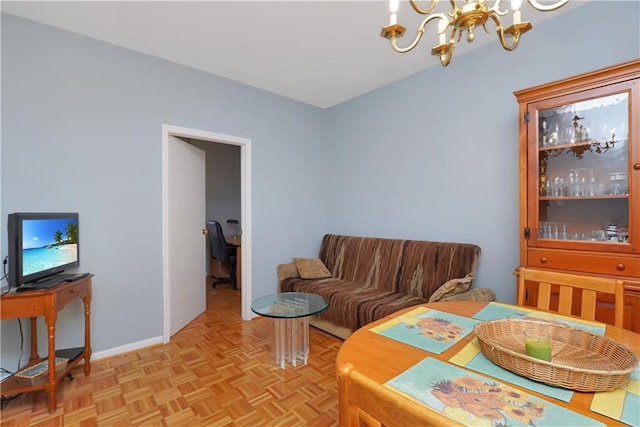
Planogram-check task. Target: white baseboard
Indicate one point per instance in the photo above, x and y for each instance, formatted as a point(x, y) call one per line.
point(126, 348)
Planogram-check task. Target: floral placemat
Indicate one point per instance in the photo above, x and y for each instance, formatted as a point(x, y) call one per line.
point(622, 404)
point(427, 329)
point(496, 310)
point(472, 357)
point(473, 399)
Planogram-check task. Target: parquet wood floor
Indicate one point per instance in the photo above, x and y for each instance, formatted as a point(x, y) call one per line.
point(217, 371)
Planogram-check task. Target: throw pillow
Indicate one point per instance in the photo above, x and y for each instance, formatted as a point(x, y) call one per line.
point(452, 287)
point(311, 268)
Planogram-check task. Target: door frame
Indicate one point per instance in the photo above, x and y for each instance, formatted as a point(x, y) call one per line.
point(245, 213)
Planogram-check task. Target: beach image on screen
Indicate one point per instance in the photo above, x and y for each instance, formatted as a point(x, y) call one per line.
point(48, 243)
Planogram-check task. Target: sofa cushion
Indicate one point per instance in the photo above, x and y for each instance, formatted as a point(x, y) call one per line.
point(474, 294)
point(452, 287)
point(311, 268)
point(370, 261)
point(428, 265)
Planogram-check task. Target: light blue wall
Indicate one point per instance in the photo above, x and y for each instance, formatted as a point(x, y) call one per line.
point(435, 156)
point(81, 131)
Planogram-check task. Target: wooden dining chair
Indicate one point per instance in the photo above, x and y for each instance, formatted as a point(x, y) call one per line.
point(567, 283)
point(364, 401)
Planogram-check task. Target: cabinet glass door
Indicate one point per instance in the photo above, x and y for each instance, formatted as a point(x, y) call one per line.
point(581, 194)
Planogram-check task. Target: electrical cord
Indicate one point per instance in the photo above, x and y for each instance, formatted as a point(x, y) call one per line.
point(6, 399)
point(5, 274)
point(21, 344)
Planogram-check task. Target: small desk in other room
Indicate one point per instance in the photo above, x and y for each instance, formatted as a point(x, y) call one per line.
point(47, 303)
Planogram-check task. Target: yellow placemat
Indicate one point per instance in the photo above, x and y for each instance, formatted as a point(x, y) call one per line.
point(622, 404)
point(409, 318)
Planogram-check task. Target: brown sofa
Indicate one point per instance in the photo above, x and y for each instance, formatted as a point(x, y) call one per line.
point(367, 278)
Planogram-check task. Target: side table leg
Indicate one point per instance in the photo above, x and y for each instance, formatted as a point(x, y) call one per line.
point(280, 341)
point(304, 339)
point(293, 339)
point(87, 332)
point(34, 339)
point(50, 319)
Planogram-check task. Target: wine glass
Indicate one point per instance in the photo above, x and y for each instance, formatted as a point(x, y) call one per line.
point(574, 176)
point(592, 182)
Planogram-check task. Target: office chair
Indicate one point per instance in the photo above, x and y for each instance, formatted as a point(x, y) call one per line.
point(222, 251)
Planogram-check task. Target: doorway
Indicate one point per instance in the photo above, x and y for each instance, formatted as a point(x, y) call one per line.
point(171, 134)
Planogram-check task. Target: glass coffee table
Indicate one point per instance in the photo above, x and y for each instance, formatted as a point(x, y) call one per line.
point(290, 312)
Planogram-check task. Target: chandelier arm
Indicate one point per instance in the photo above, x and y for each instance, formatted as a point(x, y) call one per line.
point(394, 42)
point(453, 35)
point(546, 7)
point(419, 34)
point(454, 7)
point(496, 8)
point(503, 42)
point(445, 58)
point(501, 38)
point(427, 10)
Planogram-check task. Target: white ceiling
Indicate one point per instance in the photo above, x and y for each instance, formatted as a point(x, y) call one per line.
point(318, 52)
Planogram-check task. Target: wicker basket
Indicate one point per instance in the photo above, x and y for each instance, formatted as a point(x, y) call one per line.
point(580, 360)
point(38, 373)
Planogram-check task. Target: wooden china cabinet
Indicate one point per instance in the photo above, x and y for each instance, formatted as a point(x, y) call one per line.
point(580, 180)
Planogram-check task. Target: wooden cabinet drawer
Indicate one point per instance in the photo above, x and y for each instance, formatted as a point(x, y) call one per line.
point(617, 265)
point(71, 291)
point(22, 307)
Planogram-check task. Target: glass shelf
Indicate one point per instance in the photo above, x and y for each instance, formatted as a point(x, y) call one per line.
point(600, 197)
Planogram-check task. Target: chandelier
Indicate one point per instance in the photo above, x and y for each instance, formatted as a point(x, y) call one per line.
point(462, 20)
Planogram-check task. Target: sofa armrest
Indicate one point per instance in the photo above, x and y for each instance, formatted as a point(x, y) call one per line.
point(474, 294)
point(287, 270)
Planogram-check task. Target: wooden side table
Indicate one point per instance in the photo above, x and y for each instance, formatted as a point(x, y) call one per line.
point(47, 303)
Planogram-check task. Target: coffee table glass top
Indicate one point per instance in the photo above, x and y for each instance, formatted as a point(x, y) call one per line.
point(289, 305)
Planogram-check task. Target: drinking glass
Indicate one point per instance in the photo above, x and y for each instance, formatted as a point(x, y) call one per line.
point(563, 233)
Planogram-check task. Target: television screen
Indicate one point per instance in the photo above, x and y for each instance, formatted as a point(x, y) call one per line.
point(41, 245)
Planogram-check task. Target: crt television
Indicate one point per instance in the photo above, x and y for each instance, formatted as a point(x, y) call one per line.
point(41, 245)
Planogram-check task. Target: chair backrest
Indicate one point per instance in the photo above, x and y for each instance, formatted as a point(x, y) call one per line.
point(363, 401)
point(567, 283)
point(217, 243)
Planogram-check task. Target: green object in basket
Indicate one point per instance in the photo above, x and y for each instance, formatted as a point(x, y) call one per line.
point(540, 348)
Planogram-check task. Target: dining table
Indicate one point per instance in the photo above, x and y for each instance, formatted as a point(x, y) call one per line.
point(391, 352)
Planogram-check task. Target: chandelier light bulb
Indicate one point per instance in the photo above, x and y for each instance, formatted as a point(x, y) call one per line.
point(442, 27)
point(515, 5)
point(393, 8)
